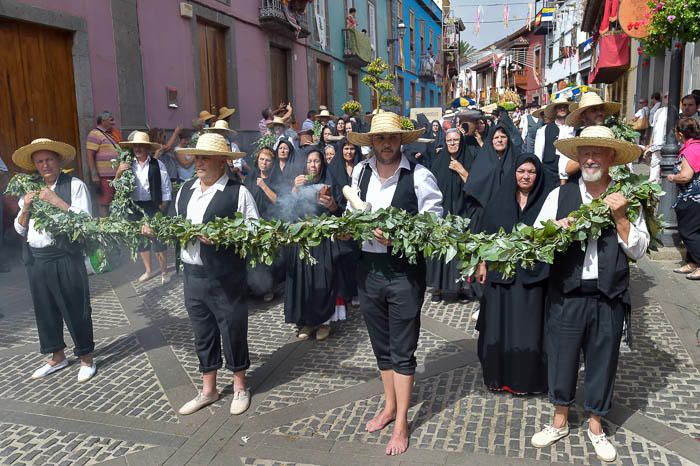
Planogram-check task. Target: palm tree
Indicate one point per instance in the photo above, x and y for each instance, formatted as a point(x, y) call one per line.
point(466, 51)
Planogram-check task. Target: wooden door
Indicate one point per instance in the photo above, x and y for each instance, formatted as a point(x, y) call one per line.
point(37, 89)
point(278, 76)
point(323, 83)
point(211, 41)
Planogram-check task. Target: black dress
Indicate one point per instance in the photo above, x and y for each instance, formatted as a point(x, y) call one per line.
point(511, 317)
point(441, 275)
point(311, 289)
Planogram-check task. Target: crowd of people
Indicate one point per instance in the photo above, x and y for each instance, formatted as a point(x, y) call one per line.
point(532, 326)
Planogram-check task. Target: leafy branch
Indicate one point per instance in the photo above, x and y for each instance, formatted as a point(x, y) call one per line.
point(382, 85)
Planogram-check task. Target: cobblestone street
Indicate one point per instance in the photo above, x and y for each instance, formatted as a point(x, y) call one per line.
point(311, 399)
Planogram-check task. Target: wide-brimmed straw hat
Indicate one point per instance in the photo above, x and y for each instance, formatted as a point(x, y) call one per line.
point(588, 100)
point(221, 127)
point(140, 138)
point(225, 112)
point(539, 113)
point(22, 157)
point(276, 121)
point(204, 115)
point(599, 136)
point(548, 111)
point(368, 116)
point(324, 113)
point(385, 123)
point(211, 144)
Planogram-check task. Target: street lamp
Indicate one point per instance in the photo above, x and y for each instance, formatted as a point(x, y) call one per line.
point(402, 32)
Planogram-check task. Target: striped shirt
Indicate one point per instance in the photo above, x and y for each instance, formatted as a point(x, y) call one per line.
point(105, 152)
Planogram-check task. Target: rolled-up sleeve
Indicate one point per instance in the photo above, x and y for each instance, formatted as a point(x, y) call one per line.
point(427, 191)
point(80, 198)
point(637, 240)
point(22, 231)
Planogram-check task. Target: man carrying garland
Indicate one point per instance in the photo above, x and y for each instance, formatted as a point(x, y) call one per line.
point(58, 280)
point(215, 281)
point(589, 301)
point(391, 289)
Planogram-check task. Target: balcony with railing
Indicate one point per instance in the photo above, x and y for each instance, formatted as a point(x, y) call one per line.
point(427, 68)
point(276, 17)
point(520, 78)
point(358, 48)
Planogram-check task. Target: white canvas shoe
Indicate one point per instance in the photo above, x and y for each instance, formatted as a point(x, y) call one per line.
point(197, 403)
point(48, 369)
point(86, 372)
point(604, 450)
point(548, 436)
point(240, 402)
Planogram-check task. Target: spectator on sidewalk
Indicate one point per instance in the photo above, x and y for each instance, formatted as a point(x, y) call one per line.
point(641, 121)
point(58, 280)
point(689, 107)
point(657, 141)
point(101, 150)
point(654, 105)
point(686, 175)
point(152, 193)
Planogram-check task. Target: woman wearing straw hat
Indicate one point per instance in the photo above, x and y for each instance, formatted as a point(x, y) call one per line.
point(57, 277)
point(391, 289)
point(556, 112)
point(589, 301)
point(152, 193)
point(215, 279)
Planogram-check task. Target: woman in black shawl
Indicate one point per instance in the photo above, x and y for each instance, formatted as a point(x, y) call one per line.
point(437, 134)
point(512, 310)
point(263, 185)
point(451, 169)
point(311, 290)
point(340, 169)
point(288, 165)
point(326, 133)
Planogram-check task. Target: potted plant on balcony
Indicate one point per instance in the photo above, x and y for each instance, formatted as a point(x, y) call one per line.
point(352, 108)
point(668, 20)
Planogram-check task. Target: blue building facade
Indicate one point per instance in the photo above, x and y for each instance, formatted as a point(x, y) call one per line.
point(336, 56)
point(418, 68)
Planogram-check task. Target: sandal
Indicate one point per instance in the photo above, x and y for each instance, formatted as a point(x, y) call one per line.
point(687, 268)
point(694, 275)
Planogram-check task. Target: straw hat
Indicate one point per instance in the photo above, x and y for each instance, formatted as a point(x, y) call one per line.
point(276, 121)
point(220, 127)
point(22, 157)
point(324, 113)
point(368, 116)
point(385, 123)
point(490, 108)
point(211, 144)
point(549, 109)
point(140, 138)
point(539, 113)
point(225, 112)
point(599, 136)
point(204, 115)
point(588, 100)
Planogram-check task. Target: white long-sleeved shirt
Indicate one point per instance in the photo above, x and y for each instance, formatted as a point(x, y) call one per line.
point(658, 133)
point(142, 189)
point(565, 131)
point(380, 195)
point(80, 202)
point(652, 113)
point(198, 205)
point(635, 247)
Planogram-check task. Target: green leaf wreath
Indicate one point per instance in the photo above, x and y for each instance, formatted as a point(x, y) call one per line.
point(425, 234)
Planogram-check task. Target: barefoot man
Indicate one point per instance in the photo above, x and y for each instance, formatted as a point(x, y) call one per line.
point(390, 289)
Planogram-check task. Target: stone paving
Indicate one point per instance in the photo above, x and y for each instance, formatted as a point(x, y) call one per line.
point(311, 399)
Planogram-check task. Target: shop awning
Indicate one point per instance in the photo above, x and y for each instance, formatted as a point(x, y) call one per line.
point(612, 58)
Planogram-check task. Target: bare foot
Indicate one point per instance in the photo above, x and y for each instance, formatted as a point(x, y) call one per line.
point(399, 441)
point(381, 421)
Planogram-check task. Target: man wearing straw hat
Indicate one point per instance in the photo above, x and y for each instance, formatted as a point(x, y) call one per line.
point(590, 110)
point(152, 193)
point(556, 112)
point(589, 301)
point(391, 290)
point(58, 280)
point(215, 279)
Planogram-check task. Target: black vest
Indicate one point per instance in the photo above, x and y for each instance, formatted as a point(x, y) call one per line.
point(613, 268)
point(222, 262)
point(550, 158)
point(405, 195)
point(155, 187)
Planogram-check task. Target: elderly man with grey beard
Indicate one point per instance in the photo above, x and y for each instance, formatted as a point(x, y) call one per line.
point(589, 302)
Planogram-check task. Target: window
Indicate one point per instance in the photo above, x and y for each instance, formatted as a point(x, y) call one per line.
point(422, 37)
point(439, 102)
point(422, 96)
point(412, 31)
point(372, 26)
point(399, 10)
point(550, 50)
point(412, 103)
point(320, 23)
point(353, 86)
point(324, 79)
point(430, 43)
point(537, 59)
point(432, 98)
point(401, 93)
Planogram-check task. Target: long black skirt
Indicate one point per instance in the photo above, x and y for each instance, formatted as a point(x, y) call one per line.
point(349, 258)
point(688, 215)
point(311, 290)
point(510, 348)
point(443, 276)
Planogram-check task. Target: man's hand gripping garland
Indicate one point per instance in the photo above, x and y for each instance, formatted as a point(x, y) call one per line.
point(425, 234)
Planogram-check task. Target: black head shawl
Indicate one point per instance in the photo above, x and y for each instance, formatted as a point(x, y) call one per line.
point(296, 164)
point(304, 202)
point(488, 170)
point(424, 123)
point(338, 175)
point(503, 211)
point(439, 136)
point(449, 182)
point(333, 132)
point(265, 206)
